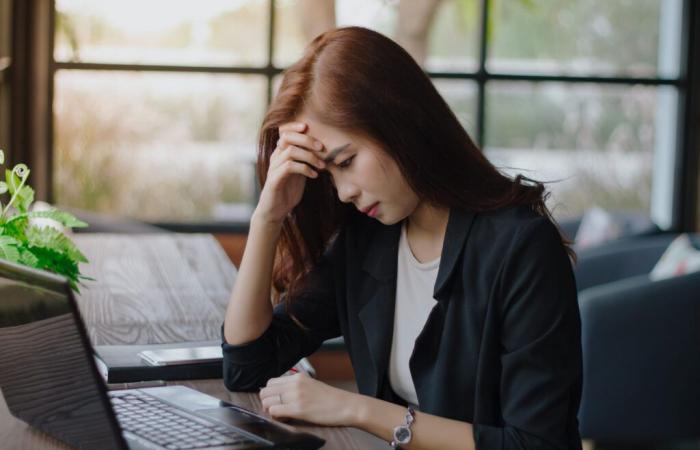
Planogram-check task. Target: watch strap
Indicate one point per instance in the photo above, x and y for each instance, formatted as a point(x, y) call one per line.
point(405, 428)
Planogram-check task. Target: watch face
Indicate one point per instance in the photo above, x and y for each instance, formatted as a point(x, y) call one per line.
point(402, 435)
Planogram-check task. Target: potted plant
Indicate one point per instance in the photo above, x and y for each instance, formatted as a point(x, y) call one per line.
point(25, 242)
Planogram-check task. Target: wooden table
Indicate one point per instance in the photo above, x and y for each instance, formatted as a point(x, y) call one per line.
point(160, 288)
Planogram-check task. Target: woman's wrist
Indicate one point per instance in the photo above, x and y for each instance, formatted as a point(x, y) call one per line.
point(258, 220)
point(358, 410)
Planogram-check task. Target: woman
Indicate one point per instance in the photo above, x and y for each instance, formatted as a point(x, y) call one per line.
point(379, 220)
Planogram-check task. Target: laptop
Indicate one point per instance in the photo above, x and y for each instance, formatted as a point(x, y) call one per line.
point(49, 380)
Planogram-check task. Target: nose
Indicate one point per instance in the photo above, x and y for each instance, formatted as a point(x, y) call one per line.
point(346, 191)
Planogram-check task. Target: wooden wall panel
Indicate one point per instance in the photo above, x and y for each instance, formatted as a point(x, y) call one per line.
point(233, 245)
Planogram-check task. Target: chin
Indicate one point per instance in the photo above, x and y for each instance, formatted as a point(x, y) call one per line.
point(391, 219)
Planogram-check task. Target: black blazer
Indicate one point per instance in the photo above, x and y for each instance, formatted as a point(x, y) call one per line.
point(501, 349)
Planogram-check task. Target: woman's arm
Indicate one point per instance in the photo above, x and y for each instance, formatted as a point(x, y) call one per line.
point(257, 341)
point(301, 397)
point(379, 417)
point(283, 342)
point(249, 311)
point(540, 341)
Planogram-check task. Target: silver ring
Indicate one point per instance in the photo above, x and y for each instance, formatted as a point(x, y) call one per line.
point(280, 396)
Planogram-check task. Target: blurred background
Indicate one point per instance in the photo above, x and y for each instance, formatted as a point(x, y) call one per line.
point(142, 115)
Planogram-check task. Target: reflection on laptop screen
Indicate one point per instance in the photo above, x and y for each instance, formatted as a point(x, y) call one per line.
point(45, 375)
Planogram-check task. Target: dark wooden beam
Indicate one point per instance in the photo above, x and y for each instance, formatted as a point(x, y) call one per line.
point(31, 95)
point(687, 189)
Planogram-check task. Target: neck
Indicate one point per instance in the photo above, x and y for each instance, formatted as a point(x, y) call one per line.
point(428, 221)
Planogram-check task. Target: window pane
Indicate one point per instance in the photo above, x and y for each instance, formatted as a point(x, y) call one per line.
point(177, 32)
point(448, 42)
point(599, 37)
point(156, 146)
point(597, 142)
point(454, 37)
point(461, 96)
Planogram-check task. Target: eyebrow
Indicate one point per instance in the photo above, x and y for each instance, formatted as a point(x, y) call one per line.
point(335, 152)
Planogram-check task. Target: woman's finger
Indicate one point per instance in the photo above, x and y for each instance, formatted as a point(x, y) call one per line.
point(280, 154)
point(292, 126)
point(285, 379)
point(285, 411)
point(285, 168)
point(267, 402)
point(271, 391)
point(289, 167)
point(299, 139)
point(299, 154)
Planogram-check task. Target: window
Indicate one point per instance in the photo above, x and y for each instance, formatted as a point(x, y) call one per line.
point(158, 119)
point(157, 106)
point(587, 93)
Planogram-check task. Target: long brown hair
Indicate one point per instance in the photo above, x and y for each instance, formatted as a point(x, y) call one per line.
point(360, 81)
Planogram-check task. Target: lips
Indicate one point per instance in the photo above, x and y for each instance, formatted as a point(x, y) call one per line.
point(368, 209)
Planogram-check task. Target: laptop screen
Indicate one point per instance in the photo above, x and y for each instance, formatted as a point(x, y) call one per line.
point(47, 375)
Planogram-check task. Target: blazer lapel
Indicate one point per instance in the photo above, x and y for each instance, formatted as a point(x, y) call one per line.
point(377, 313)
point(458, 226)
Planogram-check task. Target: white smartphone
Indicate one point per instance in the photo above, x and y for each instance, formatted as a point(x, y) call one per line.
point(174, 356)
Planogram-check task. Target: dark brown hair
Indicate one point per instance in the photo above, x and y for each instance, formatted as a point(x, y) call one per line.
point(362, 82)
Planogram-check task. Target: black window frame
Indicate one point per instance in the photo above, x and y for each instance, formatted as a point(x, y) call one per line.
point(685, 208)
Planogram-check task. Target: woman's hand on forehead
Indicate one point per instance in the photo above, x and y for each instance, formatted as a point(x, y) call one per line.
point(292, 133)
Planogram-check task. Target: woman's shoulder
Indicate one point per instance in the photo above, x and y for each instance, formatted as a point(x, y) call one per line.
point(516, 224)
point(514, 218)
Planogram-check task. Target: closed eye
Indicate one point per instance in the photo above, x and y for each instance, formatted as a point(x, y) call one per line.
point(346, 163)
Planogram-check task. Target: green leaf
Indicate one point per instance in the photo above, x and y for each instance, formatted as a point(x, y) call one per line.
point(28, 258)
point(64, 218)
point(3, 187)
point(8, 249)
point(55, 261)
point(50, 238)
point(24, 199)
point(15, 227)
point(12, 181)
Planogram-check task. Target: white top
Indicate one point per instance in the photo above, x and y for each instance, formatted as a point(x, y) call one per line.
point(414, 301)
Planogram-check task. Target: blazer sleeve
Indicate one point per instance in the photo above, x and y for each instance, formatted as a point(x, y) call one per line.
point(541, 368)
point(248, 366)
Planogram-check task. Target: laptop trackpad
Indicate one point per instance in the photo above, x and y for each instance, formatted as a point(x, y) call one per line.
point(248, 422)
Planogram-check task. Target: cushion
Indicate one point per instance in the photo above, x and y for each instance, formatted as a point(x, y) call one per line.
point(597, 226)
point(681, 257)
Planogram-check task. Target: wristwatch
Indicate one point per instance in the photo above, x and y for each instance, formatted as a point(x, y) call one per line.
point(402, 433)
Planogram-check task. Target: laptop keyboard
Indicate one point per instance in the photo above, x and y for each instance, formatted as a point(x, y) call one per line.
point(165, 425)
